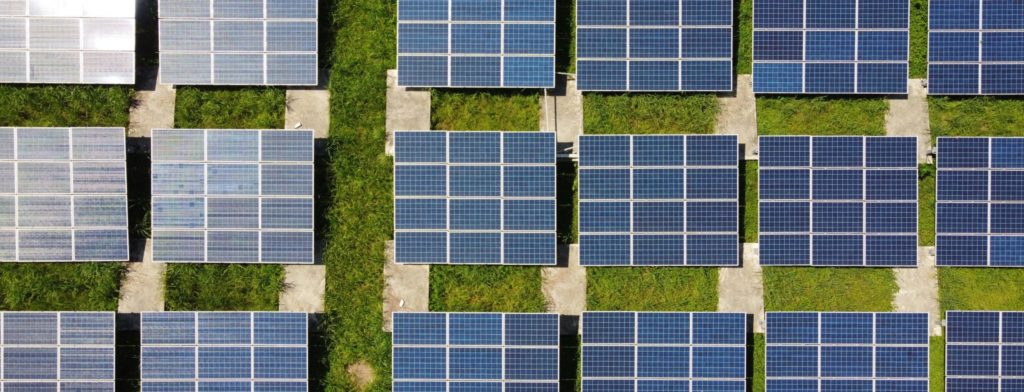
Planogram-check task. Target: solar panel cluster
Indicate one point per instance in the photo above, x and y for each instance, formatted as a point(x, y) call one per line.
point(654, 45)
point(68, 41)
point(238, 42)
point(984, 351)
point(475, 197)
point(980, 202)
point(975, 47)
point(653, 351)
point(224, 351)
point(838, 201)
point(658, 200)
point(476, 43)
point(480, 352)
point(63, 194)
point(232, 196)
point(57, 351)
point(831, 46)
point(881, 352)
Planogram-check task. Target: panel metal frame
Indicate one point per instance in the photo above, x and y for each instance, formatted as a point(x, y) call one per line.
point(981, 30)
point(59, 345)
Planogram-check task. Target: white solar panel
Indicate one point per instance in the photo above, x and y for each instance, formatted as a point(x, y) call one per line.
point(67, 41)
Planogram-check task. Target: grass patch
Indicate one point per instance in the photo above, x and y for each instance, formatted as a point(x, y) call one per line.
point(485, 288)
point(60, 286)
point(918, 39)
point(757, 383)
point(485, 110)
point(828, 289)
point(748, 200)
point(821, 115)
point(926, 205)
point(743, 41)
point(65, 106)
point(223, 287)
point(649, 113)
point(976, 116)
point(974, 288)
point(229, 107)
point(652, 288)
point(937, 363)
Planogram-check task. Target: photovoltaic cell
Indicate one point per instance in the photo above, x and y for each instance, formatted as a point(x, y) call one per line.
point(475, 198)
point(645, 351)
point(224, 351)
point(44, 351)
point(984, 351)
point(831, 46)
point(980, 202)
point(658, 200)
point(475, 352)
point(246, 42)
point(654, 45)
point(476, 44)
point(232, 196)
point(833, 351)
point(974, 47)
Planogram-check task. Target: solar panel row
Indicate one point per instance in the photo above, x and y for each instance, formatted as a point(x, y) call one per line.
point(658, 200)
point(838, 201)
point(232, 196)
point(975, 47)
point(52, 351)
point(984, 351)
point(63, 194)
point(654, 45)
point(476, 43)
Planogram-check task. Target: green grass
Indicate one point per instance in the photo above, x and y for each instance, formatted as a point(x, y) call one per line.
point(52, 286)
point(652, 288)
point(485, 110)
point(919, 39)
point(649, 113)
point(64, 106)
point(744, 36)
point(937, 363)
point(821, 115)
point(748, 200)
point(757, 353)
point(485, 288)
point(973, 288)
point(828, 289)
point(926, 205)
point(976, 116)
point(223, 287)
point(229, 107)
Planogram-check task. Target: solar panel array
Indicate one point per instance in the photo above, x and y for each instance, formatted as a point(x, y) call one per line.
point(475, 197)
point(984, 351)
point(838, 201)
point(658, 200)
point(975, 47)
point(63, 194)
point(879, 352)
point(238, 42)
point(57, 351)
point(224, 351)
point(476, 43)
point(480, 352)
point(831, 46)
point(653, 351)
point(980, 202)
point(68, 42)
point(654, 45)
point(232, 196)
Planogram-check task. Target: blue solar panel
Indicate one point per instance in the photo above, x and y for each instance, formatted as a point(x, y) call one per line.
point(475, 198)
point(474, 44)
point(42, 350)
point(654, 45)
point(654, 351)
point(224, 351)
point(838, 201)
point(658, 200)
point(831, 46)
point(983, 351)
point(813, 352)
point(974, 47)
point(475, 352)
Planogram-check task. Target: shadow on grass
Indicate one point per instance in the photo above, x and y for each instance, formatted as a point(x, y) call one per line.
point(566, 203)
point(570, 354)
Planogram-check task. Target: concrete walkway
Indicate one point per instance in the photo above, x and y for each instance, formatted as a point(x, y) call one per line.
point(738, 116)
point(919, 289)
point(309, 108)
point(407, 110)
point(561, 110)
point(142, 287)
point(909, 117)
point(152, 106)
point(742, 289)
point(565, 286)
point(406, 287)
point(304, 287)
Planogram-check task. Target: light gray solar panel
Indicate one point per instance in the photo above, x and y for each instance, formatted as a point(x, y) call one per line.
point(184, 8)
point(12, 33)
point(54, 67)
point(108, 34)
point(13, 7)
point(44, 349)
point(237, 68)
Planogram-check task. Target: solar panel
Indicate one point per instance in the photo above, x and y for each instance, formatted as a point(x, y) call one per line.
point(831, 46)
point(658, 200)
point(232, 196)
point(654, 45)
point(810, 352)
point(67, 42)
point(238, 42)
point(980, 202)
point(481, 43)
point(57, 351)
point(984, 351)
point(475, 198)
point(655, 351)
point(974, 47)
point(490, 352)
point(224, 351)
point(838, 201)
point(63, 195)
